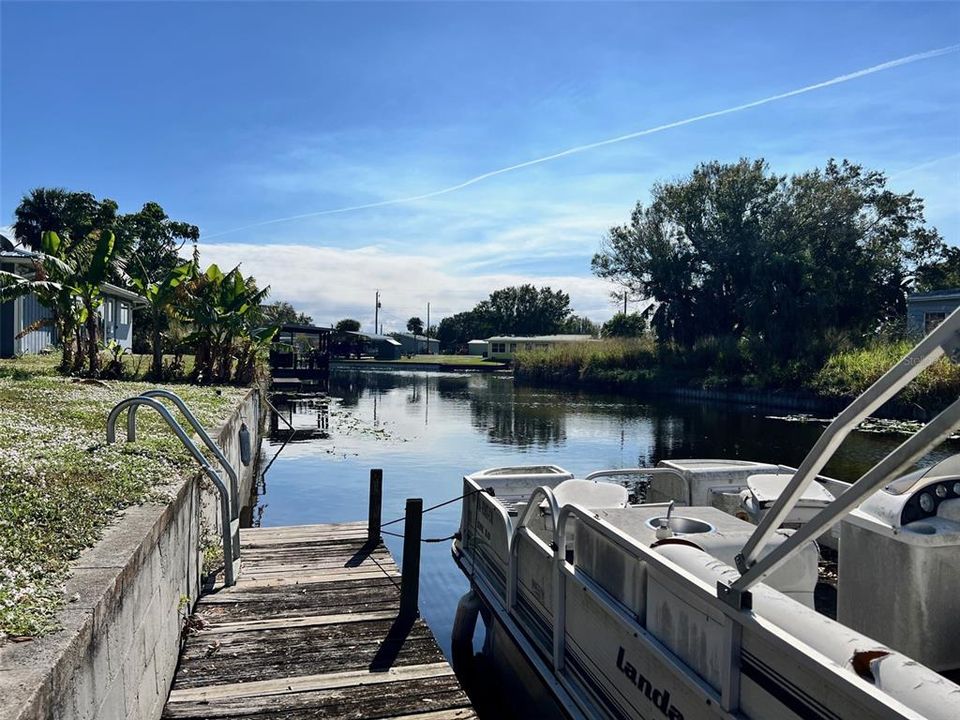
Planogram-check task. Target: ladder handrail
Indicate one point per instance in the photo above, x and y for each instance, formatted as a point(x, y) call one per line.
point(943, 340)
point(197, 428)
point(222, 490)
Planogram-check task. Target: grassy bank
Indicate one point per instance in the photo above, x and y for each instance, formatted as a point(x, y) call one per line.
point(61, 484)
point(641, 365)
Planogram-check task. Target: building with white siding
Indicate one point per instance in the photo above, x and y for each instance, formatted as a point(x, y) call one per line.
point(503, 347)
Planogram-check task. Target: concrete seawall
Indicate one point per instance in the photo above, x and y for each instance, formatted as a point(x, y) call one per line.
point(117, 652)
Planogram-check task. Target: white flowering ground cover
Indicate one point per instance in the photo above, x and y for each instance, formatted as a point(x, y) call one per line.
point(61, 484)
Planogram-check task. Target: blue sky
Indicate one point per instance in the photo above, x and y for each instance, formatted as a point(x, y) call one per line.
point(231, 115)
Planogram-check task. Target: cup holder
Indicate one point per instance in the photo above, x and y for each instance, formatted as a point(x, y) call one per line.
point(680, 525)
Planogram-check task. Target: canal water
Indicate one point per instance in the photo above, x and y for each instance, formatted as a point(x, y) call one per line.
point(427, 430)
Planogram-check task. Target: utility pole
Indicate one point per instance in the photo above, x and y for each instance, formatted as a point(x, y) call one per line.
point(428, 328)
point(624, 302)
point(376, 313)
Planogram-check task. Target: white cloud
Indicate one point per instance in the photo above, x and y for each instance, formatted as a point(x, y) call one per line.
point(332, 283)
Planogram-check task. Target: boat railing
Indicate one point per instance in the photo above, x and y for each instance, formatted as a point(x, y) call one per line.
point(520, 529)
point(944, 340)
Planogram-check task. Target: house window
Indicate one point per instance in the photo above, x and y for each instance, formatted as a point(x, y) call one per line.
point(108, 311)
point(932, 319)
point(498, 347)
point(513, 347)
point(124, 314)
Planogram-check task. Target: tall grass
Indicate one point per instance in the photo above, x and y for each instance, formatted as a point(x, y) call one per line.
point(642, 364)
point(849, 372)
point(633, 360)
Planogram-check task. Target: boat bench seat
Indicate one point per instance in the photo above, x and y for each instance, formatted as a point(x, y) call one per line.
point(591, 494)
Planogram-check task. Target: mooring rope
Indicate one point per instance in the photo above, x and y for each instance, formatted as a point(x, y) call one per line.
point(424, 512)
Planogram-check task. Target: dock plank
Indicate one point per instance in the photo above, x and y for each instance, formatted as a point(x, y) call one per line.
point(310, 630)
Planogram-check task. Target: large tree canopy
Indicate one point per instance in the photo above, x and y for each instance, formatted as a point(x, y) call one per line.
point(150, 242)
point(284, 313)
point(943, 274)
point(520, 310)
point(736, 250)
point(74, 216)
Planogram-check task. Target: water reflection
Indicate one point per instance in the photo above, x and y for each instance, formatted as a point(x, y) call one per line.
point(427, 430)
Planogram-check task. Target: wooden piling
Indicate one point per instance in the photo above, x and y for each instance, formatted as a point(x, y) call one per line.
point(410, 581)
point(374, 513)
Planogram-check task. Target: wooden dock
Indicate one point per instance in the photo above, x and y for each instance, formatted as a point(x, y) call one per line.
point(312, 630)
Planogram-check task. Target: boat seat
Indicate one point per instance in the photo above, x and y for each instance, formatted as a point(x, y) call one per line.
point(591, 494)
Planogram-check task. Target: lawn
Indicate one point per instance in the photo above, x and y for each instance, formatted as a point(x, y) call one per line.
point(61, 484)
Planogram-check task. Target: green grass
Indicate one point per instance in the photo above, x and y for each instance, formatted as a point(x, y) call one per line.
point(61, 484)
point(850, 372)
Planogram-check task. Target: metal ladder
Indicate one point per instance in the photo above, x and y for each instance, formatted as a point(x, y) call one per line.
point(228, 496)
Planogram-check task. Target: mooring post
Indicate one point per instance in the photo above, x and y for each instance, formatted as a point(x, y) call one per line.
point(410, 580)
point(376, 505)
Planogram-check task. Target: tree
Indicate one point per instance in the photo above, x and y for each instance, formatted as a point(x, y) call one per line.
point(455, 331)
point(415, 325)
point(224, 309)
point(283, 313)
point(578, 325)
point(625, 325)
point(942, 274)
point(733, 250)
point(74, 231)
point(72, 215)
point(92, 267)
point(525, 310)
point(348, 325)
point(149, 242)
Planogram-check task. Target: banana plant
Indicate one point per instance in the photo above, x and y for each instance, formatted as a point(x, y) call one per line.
point(223, 310)
point(162, 300)
point(51, 283)
point(92, 268)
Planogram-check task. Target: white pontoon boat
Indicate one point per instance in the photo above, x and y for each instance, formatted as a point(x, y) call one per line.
point(699, 603)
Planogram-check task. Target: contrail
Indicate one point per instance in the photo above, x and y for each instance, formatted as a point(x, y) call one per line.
point(924, 165)
point(916, 57)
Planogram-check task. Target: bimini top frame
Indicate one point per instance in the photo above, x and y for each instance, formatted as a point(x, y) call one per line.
point(943, 341)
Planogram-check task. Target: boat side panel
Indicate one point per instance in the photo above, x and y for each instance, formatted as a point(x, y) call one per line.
point(771, 677)
point(616, 664)
point(616, 571)
point(485, 532)
point(534, 602)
